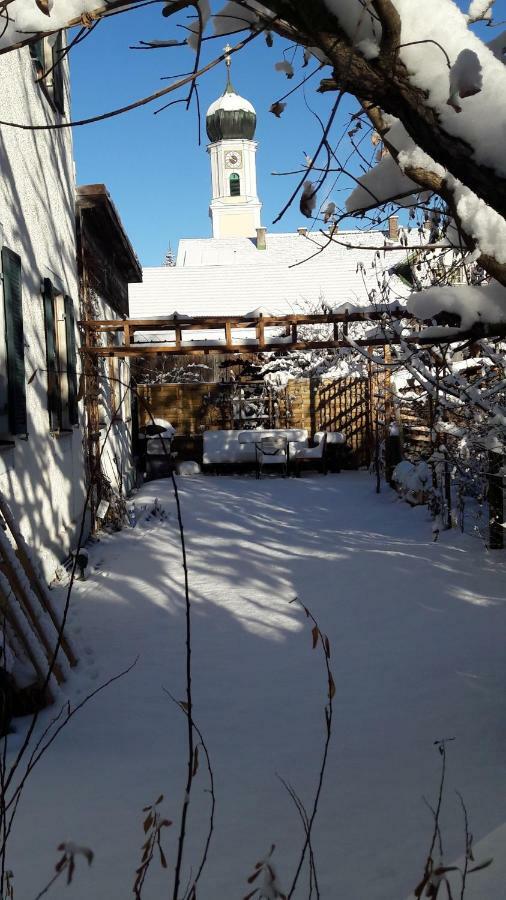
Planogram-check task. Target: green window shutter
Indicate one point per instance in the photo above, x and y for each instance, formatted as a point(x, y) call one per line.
point(57, 76)
point(70, 340)
point(15, 344)
point(53, 381)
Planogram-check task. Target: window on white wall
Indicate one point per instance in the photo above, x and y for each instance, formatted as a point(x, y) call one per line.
point(47, 54)
point(61, 358)
point(235, 185)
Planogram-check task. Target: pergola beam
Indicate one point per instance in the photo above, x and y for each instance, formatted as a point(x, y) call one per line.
point(260, 343)
point(209, 323)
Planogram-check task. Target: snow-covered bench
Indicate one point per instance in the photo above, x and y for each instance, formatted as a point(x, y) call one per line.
point(224, 448)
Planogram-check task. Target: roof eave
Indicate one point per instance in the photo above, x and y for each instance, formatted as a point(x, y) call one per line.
point(90, 196)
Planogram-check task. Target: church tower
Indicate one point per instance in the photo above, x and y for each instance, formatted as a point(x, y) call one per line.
point(230, 123)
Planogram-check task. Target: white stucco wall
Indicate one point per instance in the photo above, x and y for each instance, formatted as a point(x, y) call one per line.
point(234, 216)
point(42, 477)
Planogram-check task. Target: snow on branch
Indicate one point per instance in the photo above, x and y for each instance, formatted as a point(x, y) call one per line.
point(480, 11)
point(471, 304)
point(21, 20)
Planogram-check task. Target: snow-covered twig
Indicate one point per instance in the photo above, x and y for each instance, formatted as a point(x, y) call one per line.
point(317, 638)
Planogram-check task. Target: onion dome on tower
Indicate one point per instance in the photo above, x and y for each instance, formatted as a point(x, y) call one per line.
point(231, 122)
point(230, 117)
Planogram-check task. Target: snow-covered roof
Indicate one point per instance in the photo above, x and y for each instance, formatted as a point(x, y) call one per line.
point(229, 276)
point(285, 248)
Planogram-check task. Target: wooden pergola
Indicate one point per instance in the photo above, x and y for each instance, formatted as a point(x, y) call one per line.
point(179, 328)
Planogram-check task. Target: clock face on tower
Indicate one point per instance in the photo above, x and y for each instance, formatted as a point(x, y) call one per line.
point(233, 159)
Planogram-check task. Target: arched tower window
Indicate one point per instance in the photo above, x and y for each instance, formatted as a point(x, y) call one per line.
point(235, 185)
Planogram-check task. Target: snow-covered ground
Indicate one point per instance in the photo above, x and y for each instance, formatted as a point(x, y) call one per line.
point(417, 638)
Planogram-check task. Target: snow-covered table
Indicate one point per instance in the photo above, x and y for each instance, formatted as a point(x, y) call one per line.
point(223, 447)
point(291, 435)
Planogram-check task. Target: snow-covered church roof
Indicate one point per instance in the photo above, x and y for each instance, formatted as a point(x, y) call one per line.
point(230, 116)
point(296, 272)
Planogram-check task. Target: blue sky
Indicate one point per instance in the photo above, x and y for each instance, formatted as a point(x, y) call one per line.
point(157, 174)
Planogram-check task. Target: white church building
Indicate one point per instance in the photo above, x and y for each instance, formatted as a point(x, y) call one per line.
point(242, 267)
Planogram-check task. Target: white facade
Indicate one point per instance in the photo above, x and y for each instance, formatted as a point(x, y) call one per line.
point(42, 472)
point(230, 123)
point(234, 216)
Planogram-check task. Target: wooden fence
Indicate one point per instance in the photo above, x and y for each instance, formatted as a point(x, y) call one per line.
point(343, 404)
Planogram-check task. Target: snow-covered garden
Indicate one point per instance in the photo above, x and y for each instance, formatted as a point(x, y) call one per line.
point(416, 641)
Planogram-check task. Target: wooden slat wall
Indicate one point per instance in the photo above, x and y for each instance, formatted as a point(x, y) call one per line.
point(318, 405)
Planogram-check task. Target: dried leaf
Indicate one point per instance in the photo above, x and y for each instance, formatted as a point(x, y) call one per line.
point(326, 644)
point(308, 200)
point(183, 705)
point(314, 632)
point(163, 860)
point(332, 687)
point(277, 108)
point(195, 762)
point(44, 6)
point(148, 821)
point(157, 802)
point(32, 376)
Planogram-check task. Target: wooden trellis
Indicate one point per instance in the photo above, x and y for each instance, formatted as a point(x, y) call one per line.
point(29, 621)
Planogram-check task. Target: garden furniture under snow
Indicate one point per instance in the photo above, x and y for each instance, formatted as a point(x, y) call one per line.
point(272, 451)
point(335, 450)
point(224, 448)
point(312, 457)
point(232, 448)
point(294, 438)
point(156, 439)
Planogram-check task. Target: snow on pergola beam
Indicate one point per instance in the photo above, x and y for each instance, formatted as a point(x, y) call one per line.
point(288, 342)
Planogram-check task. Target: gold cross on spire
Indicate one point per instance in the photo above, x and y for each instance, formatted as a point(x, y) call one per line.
point(226, 51)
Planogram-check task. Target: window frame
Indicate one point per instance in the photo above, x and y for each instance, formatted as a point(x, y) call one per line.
point(61, 360)
point(48, 64)
point(235, 184)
